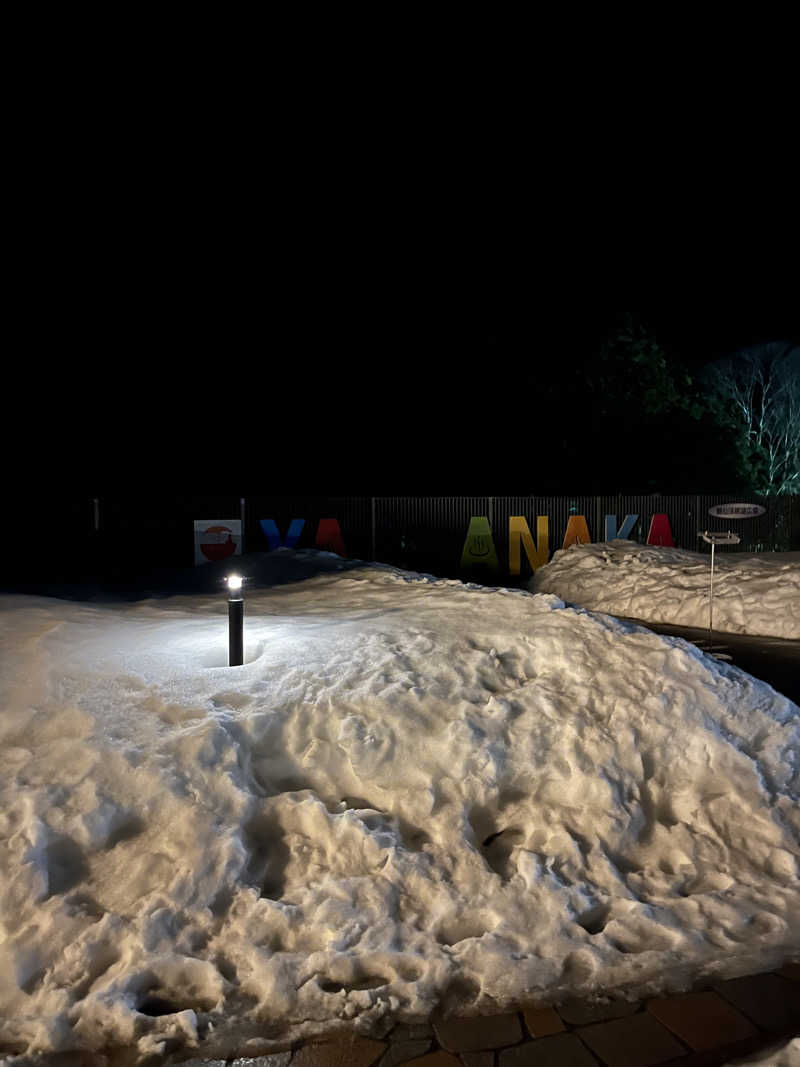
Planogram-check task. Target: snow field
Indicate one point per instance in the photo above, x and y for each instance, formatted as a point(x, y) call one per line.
point(415, 793)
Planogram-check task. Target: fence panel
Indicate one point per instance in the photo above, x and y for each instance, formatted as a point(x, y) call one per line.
point(621, 506)
point(425, 533)
point(558, 510)
point(770, 532)
point(142, 532)
point(62, 541)
point(47, 539)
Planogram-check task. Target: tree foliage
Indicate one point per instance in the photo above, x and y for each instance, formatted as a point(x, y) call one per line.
point(651, 426)
point(628, 410)
point(633, 368)
point(757, 393)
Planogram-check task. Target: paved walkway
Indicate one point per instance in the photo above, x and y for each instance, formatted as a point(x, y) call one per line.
point(708, 1027)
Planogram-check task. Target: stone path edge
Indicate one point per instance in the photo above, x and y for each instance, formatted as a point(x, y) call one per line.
point(706, 1027)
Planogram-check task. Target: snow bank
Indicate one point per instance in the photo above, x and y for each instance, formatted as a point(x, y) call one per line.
point(752, 594)
point(415, 793)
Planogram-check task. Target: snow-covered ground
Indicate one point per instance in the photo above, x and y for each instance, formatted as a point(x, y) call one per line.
point(753, 594)
point(415, 793)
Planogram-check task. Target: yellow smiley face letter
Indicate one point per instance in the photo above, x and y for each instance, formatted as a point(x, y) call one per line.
point(479, 550)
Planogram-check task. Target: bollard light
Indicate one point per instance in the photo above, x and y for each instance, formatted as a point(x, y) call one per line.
point(235, 621)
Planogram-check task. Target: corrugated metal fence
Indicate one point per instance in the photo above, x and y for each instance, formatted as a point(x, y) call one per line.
point(429, 532)
point(124, 536)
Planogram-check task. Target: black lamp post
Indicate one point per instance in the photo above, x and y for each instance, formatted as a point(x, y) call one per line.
point(235, 621)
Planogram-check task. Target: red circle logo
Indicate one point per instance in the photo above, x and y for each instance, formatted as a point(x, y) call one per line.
point(215, 545)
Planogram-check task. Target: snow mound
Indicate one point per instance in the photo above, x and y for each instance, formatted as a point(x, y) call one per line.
point(752, 594)
point(413, 794)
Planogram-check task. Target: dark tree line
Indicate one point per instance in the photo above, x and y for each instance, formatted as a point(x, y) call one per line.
point(630, 412)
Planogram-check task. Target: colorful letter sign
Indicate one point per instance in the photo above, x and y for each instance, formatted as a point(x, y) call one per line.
point(624, 531)
point(660, 531)
point(577, 532)
point(329, 537)
point(479, 550)
point(272, 534)
point(217, 539)
point(518, 531)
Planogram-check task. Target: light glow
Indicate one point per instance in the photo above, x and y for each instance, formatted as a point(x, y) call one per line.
point(234, 581)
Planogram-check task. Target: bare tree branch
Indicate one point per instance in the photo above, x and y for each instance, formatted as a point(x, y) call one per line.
point(759, 391)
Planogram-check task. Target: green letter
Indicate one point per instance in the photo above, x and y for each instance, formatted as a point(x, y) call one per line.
point(479, 548)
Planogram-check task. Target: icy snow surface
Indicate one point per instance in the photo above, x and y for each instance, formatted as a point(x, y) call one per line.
point(752, 594)
point(415, 793)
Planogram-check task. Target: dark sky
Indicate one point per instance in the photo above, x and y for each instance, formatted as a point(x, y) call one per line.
point(697, 334)
point(338, 396)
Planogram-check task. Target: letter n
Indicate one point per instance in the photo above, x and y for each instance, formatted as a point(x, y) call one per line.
point(576, 532)
point(518, 531)
point(660, 531)
point(329, 537)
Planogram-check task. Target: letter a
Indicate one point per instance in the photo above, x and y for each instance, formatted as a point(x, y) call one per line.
point(660, 531)
point(479, 550)
point(576, 531)
point(518, 531)
point(329, 537)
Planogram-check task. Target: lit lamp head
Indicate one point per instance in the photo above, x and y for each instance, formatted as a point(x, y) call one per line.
point(234, 587)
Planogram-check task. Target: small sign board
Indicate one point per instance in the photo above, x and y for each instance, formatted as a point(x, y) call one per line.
point(736, 511)
point(727, 538)
point(217, 539)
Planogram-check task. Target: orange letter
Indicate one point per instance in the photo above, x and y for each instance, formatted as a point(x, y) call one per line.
point(576, 530)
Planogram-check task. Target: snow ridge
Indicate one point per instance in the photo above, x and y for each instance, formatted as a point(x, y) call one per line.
point(752, 594)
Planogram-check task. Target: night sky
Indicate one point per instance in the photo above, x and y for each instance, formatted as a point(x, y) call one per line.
point(346, 395)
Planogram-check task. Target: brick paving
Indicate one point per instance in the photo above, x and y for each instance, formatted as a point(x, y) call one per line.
point(339, 1051)
point(477, 1059)
point(708, 1027)
point(636, 1041)
point(542, 1022)
point(704, 1028)
point(403, 1052)
point(702, 1020)
point(472, 1035)
point(559, 1050)
point(770, 1001)
point(436, 1059)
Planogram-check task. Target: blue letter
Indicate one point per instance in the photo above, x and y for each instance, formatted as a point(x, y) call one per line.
point(625, 532)
point(274, 538)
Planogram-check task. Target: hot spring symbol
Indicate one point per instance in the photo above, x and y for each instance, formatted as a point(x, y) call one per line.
point(214, 545)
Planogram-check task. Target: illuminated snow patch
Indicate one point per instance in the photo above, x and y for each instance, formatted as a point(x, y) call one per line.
point(416, 794)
